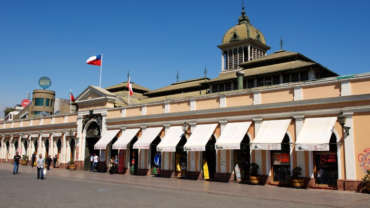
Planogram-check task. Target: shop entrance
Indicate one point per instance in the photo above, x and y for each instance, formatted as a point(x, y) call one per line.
point(35, 145)
point(73, 149)
point(326, 166)
point(59, 148)
point(92, 136)
point(153, 152)
point(7, 149)
point(16, 147)
point(181, 158)
point(209, 156)
point(242, 158)
point(134, 155)
point(280, 162)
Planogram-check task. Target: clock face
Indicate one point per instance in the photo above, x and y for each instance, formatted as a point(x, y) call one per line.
point(44, 82)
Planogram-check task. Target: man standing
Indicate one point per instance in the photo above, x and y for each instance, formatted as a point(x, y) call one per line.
point(16, 163)
point(96, 160)
point(40, 168)
point(92, 162)
point(33, 159)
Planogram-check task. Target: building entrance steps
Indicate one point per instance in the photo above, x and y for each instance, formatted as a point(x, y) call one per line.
point(327, 198)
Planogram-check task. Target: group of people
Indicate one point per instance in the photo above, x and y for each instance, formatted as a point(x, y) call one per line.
point(39, 162)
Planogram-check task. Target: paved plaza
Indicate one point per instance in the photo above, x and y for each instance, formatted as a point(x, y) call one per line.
point(64, 188)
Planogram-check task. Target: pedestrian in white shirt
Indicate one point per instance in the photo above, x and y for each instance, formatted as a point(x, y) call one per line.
point(96, 160)
point(40, 167)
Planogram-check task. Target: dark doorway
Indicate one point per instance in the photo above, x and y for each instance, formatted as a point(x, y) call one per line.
point(181, 157)
point(210, 157)
point(16, 146)
point(7, 146)
point(153, 151)
point(242, 158)
point(280, 162)
point(46, 143)
point(35, 144)
point(73, 148)
point(59, 147)
point(134, 155)
point(326, 165)
point(25, 144)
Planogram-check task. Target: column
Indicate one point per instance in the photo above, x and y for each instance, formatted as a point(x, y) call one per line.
point(300, 154)
point(349, 148)
point(258, 153)
point(222, 153)
point(80, 136)
point(64, 149)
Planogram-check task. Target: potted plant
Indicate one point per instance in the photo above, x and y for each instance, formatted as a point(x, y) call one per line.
point(24, 160)
point(254, 177)
point(364, 186)
point(297, 180)
point(71, 165)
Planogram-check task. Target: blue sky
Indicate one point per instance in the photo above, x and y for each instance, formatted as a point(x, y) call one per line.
point(155, 39)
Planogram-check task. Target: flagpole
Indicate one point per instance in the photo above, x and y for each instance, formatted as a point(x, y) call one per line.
point(101, 70)
point(128, 94)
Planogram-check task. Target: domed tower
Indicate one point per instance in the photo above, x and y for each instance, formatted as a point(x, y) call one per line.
point(242, 43)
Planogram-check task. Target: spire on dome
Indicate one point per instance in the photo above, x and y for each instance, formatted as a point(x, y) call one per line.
point(243, 19)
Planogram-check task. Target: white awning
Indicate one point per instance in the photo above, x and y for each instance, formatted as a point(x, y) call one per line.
point(125, 138)
point(270, 135)
point(232, 135)
point(315, 134)
point(149, 134)
point(199, 138)
point(105, 139)
point(171, 139)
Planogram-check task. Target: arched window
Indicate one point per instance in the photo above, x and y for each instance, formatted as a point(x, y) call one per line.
point(235, 58)
point(246, 54)
point(230, 61)
point(240, 51)
point(225, 60)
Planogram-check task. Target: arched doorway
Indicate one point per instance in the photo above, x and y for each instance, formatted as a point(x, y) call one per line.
point(134, 155)
point(7, 144)
point(181, 157)
point(280, 162)
point(16, 145)
point(59, 148)
point(325, 164)
point(153, 151)
point(209, 156)
point(46, 143)
point(72, 145)
point(92, 136)
point(35, 145)
point(25, 145)
point(242, 157)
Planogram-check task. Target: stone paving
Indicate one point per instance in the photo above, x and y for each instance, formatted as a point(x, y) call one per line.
point(64, 188)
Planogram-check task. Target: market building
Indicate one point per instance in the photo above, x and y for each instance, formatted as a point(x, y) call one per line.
point(277, 111)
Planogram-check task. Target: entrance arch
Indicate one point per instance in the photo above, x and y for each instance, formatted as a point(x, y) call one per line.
point(46, 144)
point(72, 145)
point(92, 135)
point(280, 162)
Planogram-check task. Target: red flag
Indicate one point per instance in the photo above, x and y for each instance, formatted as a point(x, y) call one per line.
point(129, 87)
point(71, 97)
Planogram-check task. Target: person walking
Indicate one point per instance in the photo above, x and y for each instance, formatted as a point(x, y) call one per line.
point(40, 167)
point(16, 158)
point(48, 162)
point(33, 159)
point(55, 159)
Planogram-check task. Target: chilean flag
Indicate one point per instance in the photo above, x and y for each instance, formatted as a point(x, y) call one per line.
point(129, 87)
point(94, 60)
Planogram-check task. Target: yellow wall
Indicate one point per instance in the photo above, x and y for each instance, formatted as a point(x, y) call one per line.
point(239, 100)
point(322, 91)
point(207, 104)
point(47, 121)
point(133, 111)
point(179, 107)
point(59, 119)
point(154, 109)
point(361, 129)
point(72, 118)
point(277, 96)
point(114, 113)
point(360, 87)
